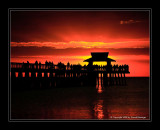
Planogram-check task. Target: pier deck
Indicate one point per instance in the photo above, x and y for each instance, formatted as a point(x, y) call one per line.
point(75, 74)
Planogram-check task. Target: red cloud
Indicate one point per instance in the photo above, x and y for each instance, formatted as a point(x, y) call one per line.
point(129, 21)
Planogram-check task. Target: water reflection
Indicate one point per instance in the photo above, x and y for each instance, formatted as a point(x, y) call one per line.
point(99, 85)
point(98, 109)
point(111, 103)
point(71, 113)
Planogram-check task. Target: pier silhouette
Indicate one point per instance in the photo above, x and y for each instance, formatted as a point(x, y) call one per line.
point(37, 75)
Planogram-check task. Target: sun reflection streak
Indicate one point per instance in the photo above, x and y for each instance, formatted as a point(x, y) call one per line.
point(98, 109)
point(99, 87)
point(99, 84)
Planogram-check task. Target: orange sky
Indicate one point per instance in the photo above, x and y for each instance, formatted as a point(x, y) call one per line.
point(72, 35)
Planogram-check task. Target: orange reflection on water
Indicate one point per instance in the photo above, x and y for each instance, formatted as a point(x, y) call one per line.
point(81, 112)
point(99, 88)
point(99, 85)
point(98, 109)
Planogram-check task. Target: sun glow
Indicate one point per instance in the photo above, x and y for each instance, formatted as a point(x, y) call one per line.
point(71, 36)
point(100, 63)
point(98, 109)
point(121, 43)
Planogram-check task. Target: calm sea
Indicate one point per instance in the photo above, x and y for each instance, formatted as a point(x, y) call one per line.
point(130, 102)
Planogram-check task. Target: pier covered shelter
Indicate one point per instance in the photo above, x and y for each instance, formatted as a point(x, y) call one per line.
point(99, 57)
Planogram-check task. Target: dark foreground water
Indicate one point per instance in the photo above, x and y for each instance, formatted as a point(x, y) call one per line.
point(130, 102)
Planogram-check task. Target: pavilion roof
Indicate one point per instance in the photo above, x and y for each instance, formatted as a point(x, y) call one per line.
point(100, 59)
point(99, 56)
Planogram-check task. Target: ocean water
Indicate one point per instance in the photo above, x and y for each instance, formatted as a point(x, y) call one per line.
point(130, 102)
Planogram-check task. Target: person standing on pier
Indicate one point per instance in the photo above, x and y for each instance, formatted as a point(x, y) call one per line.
point(68, 65)
point(36, 63)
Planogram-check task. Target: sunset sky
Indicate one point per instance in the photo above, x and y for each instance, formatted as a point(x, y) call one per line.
point(72, 35)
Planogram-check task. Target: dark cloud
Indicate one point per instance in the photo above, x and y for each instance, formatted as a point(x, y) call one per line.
point(31, 51)
point(29, 26)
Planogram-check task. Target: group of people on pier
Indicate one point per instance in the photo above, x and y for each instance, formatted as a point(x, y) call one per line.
point(61, 73)
point(68, 66)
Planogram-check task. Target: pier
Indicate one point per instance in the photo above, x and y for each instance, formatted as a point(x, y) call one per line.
point(54, 75)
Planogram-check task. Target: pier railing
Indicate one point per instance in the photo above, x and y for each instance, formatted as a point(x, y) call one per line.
point(33, 66)
point(66, 74)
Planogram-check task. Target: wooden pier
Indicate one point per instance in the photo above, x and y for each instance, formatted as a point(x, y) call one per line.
point(54, 75)
point(50, 75)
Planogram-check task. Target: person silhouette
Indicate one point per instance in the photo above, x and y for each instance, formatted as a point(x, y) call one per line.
point(46, 64)
point(27, 64)
point(68, 65)
point(71, 67)
point(39, 65)
point(84, 67)
point(114, 67)
point(120, 68)
point(36, 63)
point(52, 65)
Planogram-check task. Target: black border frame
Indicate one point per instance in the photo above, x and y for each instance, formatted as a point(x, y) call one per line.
point(77, 9)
